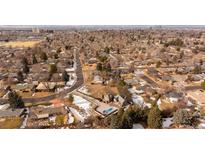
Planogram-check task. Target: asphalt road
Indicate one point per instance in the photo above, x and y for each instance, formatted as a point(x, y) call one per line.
point(190, 88)
point(150, 81)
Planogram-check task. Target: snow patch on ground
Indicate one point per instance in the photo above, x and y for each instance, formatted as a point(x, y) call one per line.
point(82, 103)
point(202, 124)
point(148, 105)
point(167, 122)
point(70, 69)
point(189, 103)
point(159, 102)
point(137, 99)
point(77, 114)
point(70, 119)
point(137, 126)
point(133, 90)
point(70, 82)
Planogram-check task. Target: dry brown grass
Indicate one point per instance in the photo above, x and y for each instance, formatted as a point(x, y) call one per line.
point(25, 94)
point(36, 104)
point(167, 106)
point(37, 94)
point(202, 111)
point(2, 94)
point(20, 43)
point(127, 76)
point(98, 90)
point(11, 123)
point(89, 67)
point(43, 94)
point(87, 70)
point(87, 76)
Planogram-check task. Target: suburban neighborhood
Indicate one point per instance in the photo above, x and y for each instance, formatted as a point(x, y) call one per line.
point(102, 78)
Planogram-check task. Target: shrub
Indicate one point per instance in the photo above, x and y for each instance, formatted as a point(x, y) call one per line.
point(182, 117)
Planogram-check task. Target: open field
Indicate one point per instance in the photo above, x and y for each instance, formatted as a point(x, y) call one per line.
point(98, 90)
point(167, 106)
point(10, 123)
point(37, 94)
point(36, 104)
point(20, 43)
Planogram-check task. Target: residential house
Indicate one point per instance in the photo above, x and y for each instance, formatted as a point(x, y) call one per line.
point(4, 107)
point(97, 79)
point(45, 112)
point(153, 72)
point(92, 61)
point(119, 99)
point(137, 99)
point(174, 97)
point(107, 98)
point(197, 97)
point(43, 117)
point(46, 86)
point(25, 87)
point(131, 82)
point(11, 113)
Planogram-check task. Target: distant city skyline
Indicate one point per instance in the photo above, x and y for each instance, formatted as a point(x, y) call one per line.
point(64, 27)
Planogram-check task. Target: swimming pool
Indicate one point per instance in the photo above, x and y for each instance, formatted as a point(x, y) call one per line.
point(108, 111)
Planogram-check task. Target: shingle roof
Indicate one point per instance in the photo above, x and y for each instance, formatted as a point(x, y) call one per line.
point(46, 85)
point(10, 113)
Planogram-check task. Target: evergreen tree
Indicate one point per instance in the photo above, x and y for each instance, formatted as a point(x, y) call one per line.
point(121, 83)
point(15, 100)
point(137, 114)
point(197, 69)
point(34, 59)
point(108, 68)
point(65, 76)
point(68, 47)
point(107, 50)
point(158, 64)
point(103, 58)
point(59, 50)
point(24, 61)
point(99, 67)
point(116, 119)
point(132, 68)
point(25, 69)
point(201, 62)
point(55, 56)
point(20, 76)
point(127, 122)
point(154, 118)
point(115, 122)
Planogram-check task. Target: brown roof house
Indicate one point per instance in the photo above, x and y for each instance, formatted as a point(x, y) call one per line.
point(46, 86)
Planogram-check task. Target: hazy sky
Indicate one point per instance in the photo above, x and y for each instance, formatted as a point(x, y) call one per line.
point(88, 12)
